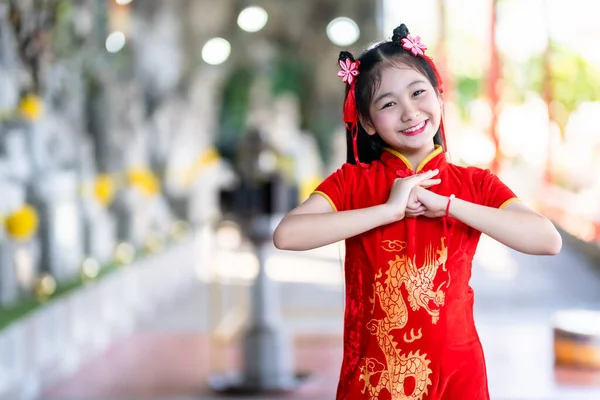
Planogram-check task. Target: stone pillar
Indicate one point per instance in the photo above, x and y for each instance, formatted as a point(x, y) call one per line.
point(260, 201)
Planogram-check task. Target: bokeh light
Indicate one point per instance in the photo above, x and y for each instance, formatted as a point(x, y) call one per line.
point(115, 42)
point(343, 31)
point(216, 51)
point(252, 19)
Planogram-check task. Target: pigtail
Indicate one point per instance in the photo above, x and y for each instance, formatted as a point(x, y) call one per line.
point(345, 55)
point(349, 73)
point(401, 32)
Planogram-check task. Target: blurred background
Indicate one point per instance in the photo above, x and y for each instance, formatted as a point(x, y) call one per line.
point(148, 147)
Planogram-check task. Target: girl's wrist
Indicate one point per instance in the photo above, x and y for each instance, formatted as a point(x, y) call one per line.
point(448, 204)
point(390, 213)
point(439, 206)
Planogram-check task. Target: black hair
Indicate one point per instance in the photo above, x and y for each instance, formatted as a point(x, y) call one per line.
point(372, 61)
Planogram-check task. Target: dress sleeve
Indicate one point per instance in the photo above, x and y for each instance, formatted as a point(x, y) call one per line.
point(493, 192)
point(336, 188)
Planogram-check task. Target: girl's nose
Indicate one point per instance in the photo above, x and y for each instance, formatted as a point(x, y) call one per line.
point(409, 113)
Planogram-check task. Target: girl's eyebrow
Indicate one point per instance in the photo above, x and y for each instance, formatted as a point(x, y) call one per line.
point(382, 96)
point(417, 81)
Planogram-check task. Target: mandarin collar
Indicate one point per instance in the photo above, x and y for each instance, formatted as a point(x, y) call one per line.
point(395, 160)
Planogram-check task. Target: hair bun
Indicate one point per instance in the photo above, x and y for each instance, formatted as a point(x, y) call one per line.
point(400, 33)
point(344, 55)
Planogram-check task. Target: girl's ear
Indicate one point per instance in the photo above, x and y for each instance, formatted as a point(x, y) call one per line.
point(366, 123)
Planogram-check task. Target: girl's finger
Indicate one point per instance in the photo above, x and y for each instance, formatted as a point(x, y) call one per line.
point(416, 210)
point(430, 182)
point(413, 202)
point(415, 205)
point(426, 175)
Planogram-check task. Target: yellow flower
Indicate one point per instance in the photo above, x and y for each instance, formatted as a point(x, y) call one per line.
point(208, 158)
point(31, 107)
point(145, 181)
point(104, 189)
point(23, 224)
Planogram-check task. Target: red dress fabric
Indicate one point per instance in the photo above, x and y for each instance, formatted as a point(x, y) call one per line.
point(409, 331)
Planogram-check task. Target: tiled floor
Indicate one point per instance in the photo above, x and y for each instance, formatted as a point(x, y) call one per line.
point(173, 357)
point(159, 365)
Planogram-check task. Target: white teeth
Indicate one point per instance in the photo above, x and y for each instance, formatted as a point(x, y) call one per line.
point(415, 128)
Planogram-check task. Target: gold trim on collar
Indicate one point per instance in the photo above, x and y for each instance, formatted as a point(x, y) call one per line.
point(431, 156)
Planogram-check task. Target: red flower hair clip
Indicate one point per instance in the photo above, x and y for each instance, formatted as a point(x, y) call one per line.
point(414, 45)
point(349, 69)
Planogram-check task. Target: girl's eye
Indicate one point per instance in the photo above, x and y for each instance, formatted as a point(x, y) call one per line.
point(418, 92)
point(386, 105)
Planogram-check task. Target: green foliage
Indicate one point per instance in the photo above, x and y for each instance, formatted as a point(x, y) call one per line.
point(235, 104)
point(290, 77)
point(293, 76)
point(574, 80)
point(519, 78)
point(468, 88)
point(64, 41)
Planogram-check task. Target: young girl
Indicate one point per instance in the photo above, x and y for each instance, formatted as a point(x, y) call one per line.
point(411, 233)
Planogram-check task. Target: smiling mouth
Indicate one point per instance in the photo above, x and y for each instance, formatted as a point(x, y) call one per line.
point(415, 130)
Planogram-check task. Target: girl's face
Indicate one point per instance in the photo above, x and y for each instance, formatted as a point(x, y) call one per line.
point(405, 111)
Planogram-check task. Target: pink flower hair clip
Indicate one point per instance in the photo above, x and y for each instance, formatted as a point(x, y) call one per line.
point(413, 43)
point(349, 69)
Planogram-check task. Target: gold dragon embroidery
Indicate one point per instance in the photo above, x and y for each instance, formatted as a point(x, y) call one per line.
point(418, 282)
point(413, 336)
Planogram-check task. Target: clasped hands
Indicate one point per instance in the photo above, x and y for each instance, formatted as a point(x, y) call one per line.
point(410, 196)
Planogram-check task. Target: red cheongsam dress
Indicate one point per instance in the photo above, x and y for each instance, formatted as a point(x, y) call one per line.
point(409, 331)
